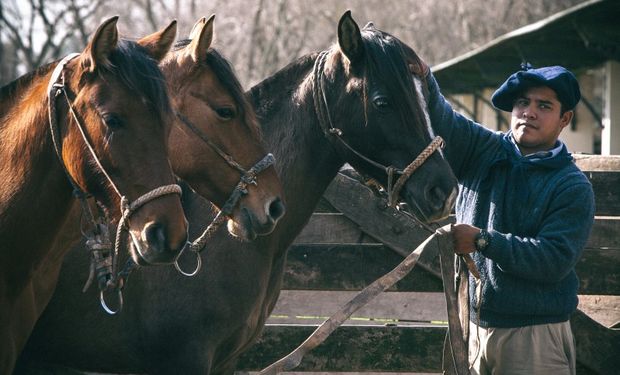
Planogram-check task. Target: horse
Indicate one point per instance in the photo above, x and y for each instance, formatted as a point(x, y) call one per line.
point(362, 87)
point(215, 120)
point(94, 124)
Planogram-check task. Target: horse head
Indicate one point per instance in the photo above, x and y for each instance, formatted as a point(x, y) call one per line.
point(216, 138)
point(116, 122)
point(376, 118)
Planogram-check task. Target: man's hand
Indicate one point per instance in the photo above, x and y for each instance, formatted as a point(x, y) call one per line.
point(463, 237)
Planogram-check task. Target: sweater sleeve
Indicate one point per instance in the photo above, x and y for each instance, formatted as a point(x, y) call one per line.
point(553, 252)
point(466, 141)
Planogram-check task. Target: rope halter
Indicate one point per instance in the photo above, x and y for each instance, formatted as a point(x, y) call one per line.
point(56, 88)
point(248, 177)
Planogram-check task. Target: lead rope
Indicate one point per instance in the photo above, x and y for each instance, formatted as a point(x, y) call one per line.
point(99, 241)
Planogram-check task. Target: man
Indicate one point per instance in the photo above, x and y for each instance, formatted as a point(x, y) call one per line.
point(524, 212)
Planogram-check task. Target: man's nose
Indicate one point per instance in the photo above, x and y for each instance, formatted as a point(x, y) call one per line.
point(528, 112)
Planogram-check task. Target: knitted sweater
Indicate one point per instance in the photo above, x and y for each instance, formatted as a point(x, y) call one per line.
point(538, 211)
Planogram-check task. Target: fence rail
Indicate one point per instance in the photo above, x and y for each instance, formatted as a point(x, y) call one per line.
point(342, 251)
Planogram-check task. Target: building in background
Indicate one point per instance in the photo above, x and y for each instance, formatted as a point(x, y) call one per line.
point(584, 39)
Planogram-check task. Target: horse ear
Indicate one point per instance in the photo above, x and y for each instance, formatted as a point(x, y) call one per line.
point(197, 28)
point(350, 38)
point(102, 43)
point(202, 36)
point(158, 44)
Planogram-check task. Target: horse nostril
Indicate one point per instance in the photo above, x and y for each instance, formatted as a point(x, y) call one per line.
point(154, 234)
point(436, 197)
point(276, 209)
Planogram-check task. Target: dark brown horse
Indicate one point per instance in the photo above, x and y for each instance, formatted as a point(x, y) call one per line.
point(202, 324)
point(96, 123)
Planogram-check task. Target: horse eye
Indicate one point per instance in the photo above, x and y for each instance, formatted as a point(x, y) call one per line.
point(381, 102)
point(113, 121)
point(225, 112)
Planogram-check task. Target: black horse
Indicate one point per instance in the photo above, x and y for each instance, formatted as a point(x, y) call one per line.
point(355, 103)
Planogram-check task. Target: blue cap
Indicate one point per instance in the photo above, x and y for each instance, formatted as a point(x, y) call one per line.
point(556, 77)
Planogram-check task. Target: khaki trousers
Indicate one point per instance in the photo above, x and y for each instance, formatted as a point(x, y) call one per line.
point(546, 349)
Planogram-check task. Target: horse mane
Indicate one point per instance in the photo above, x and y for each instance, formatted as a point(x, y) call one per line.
point(10, 92)
point(224, 70)
point(282, 79)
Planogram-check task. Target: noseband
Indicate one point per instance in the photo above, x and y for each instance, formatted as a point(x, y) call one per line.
point(248, 177)
point(331, 132)
point(99, 237)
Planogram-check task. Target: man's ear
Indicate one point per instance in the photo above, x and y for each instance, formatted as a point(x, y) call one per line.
point(566, 118)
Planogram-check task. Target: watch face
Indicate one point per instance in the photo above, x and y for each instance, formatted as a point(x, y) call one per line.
point(482, 240)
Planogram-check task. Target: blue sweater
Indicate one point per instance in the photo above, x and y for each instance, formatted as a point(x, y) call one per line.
point(538, 211)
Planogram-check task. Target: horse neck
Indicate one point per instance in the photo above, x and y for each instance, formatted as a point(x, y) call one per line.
point(305, 159)
point(34, 194)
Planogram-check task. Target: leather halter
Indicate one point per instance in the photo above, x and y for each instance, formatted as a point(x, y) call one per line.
point(331, 132)
point(248, 177)
point(99, 238)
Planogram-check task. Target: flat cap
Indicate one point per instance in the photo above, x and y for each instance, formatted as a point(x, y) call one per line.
point(562, 81)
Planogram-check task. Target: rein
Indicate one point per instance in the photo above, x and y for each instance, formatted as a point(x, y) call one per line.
point(248, 177)
point(322, 110)
point(98, 241)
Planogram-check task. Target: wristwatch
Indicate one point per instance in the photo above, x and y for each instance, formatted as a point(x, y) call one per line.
point(482, 240)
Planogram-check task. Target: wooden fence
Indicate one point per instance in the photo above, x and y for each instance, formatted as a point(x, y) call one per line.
point(358, 238)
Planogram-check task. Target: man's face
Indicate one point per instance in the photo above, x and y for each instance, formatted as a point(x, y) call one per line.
point(536, 121)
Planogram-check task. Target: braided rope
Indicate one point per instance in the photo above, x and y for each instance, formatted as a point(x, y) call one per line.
point(128, 209)
point(436, 144)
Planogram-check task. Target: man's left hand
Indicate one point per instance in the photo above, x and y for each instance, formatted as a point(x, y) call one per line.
point(464, 237)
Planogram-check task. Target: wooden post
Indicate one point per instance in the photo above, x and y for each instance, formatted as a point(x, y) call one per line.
point(610, 137)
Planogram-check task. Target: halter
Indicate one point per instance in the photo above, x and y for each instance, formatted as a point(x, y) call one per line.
point(330, 131)
point(248, 177)
point(98, 240)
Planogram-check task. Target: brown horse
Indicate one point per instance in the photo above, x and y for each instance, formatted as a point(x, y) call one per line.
point(369, 96)
point(96, 124)
point(218, 124)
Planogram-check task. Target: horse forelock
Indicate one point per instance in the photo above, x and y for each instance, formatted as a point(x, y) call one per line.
point(384, 61)
point(140, 73)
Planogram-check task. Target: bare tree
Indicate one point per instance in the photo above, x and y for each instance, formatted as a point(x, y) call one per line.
point(40, 30)
point(259, 36)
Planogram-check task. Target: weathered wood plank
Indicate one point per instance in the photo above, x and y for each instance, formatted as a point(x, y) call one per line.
point(360, 204)
point(352, 267)
point(598, 271)
point(605, 233)
point(352, 348)
point(349, 267)
point(597, 162)
point(337, 228)
point(332, 228)
point(402, 308)
point(606, 186)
